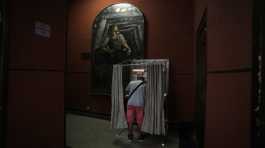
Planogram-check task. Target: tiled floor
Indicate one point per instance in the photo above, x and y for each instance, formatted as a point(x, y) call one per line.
point(86, 132)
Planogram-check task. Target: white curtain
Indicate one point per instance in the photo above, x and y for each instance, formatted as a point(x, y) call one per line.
point(154, 116)
point(118, 118)
point(154, 109)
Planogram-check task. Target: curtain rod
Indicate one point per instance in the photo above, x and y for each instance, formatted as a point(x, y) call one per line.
point(138, 64)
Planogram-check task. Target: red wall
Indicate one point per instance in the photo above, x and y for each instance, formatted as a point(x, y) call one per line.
point(228, 110)
point(229, 94)
point(35, 75)
point(36, 66)
point(169, 29)
point(228, 102)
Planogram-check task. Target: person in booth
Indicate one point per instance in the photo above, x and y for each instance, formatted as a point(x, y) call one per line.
point(135, 95)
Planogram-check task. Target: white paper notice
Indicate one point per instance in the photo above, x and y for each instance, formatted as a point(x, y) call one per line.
point(42, 29)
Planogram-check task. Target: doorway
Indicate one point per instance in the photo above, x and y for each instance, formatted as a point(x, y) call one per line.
point(258, 104)
point(201, 76)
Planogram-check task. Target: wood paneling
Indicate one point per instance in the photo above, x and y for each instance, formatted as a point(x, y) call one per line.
point(36, 74)
point(28, 50)
point(230, 34)
point(228, 110)
point(35, 109)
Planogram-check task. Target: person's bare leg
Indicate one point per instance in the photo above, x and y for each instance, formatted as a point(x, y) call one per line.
point(130, 117)
point(140, 116)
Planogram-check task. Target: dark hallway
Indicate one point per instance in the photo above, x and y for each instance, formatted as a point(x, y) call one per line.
point(51, 94)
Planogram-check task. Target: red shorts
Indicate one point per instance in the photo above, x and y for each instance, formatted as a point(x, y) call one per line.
point(135, 112)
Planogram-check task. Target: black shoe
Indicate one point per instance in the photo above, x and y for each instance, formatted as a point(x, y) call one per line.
point(130, 137)
point(140, 138)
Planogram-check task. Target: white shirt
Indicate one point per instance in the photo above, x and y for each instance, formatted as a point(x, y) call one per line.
point(137, 98)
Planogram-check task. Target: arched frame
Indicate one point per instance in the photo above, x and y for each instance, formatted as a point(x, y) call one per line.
point(106, 51)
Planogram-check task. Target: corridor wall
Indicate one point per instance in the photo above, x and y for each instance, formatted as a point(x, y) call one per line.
point(35, 104)
point(229, 52)
point(169, 35)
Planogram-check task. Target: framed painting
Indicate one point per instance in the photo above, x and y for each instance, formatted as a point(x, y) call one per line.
point(118, 36)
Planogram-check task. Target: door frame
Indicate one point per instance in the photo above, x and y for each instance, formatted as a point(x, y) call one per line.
point(258, 49)
point(201, 57)
point(3, 72)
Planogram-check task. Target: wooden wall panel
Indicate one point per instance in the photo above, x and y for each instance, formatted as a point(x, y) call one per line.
point(228, 110)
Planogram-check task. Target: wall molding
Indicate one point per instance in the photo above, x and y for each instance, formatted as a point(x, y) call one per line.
point(36, 69)
point(230, 70)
